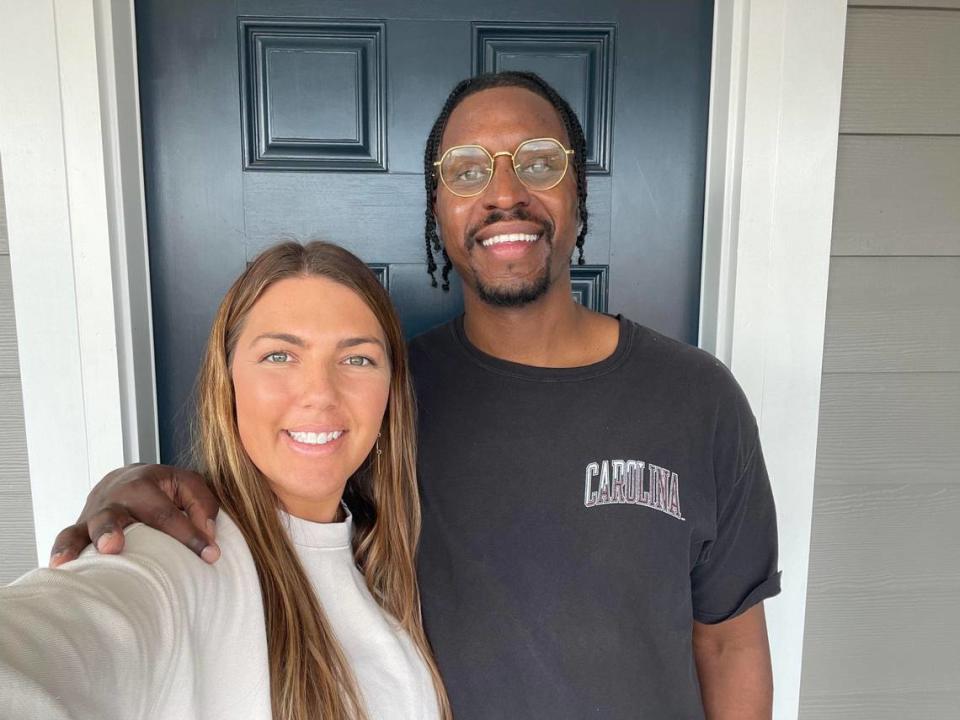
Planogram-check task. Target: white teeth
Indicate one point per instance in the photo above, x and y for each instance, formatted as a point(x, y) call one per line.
point(309, 438)
point(509, 237)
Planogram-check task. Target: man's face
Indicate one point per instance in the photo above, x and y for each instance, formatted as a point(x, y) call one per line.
point(509, 244)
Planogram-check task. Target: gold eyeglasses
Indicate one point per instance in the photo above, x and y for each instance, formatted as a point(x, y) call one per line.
point(540, 164)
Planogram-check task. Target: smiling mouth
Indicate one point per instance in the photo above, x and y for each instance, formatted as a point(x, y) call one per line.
point(509, 238)
point(312, 438)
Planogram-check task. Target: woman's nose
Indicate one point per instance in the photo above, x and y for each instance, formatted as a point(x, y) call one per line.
point(319, 388)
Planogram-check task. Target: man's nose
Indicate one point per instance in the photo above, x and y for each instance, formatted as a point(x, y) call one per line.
point(505, 191)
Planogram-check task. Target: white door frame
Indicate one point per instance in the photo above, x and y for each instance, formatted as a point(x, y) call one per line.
point(768, 217)
point(70, 148)
point(73, 177)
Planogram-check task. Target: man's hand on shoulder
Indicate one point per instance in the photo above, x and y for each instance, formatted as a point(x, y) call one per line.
point(174, 501)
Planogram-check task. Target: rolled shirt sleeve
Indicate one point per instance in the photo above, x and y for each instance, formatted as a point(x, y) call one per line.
point(738, 568)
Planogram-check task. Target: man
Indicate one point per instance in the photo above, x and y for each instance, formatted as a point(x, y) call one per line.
point(599, 532)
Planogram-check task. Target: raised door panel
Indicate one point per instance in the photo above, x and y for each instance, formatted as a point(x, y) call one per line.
point(576, 59)
point(312, 95)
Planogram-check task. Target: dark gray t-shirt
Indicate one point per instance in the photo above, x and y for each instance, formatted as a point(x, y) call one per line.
point(576, 521)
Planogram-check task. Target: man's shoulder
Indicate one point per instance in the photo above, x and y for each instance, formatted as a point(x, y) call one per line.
point(431, 347)
point(653, 348)
point(682, 374)
point(438, 335)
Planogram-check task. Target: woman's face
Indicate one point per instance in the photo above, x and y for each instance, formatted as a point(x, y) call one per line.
point(311, 379)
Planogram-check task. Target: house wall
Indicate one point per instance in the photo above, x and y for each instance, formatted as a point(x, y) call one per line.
point(18, 553)
point(882, 639)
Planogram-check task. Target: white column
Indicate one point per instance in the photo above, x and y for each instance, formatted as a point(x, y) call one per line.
point(76, 252)
point(778, 66)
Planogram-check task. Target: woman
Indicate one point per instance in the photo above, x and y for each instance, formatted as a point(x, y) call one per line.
point(305, 432)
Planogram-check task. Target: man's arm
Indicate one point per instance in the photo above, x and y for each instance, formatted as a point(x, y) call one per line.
point(174, 501)
point(733, 663)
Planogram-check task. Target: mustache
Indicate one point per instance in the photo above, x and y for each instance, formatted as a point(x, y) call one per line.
point(495, 216)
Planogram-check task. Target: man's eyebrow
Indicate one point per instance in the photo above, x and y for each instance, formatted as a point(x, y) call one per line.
point(285, 337)
point(364, 340)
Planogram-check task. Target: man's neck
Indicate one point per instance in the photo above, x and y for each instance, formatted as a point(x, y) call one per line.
point(553, 331)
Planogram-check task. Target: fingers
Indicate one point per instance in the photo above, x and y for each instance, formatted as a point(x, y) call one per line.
point(191, 493)
point(68, 544)
point(156, 495)
point(159, 512)
point(105, 528)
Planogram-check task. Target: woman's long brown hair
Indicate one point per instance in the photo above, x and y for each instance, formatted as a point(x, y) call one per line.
point(310, 677)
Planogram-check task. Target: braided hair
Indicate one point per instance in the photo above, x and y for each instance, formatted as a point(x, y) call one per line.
point(528, 81)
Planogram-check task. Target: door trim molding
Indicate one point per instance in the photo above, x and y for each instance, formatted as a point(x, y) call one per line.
point(72, 162)
point(73, 183)
point(768, 215)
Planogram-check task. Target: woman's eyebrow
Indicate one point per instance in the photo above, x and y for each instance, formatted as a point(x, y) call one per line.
point(285, 337)
point(300, 342)
point(364, 340)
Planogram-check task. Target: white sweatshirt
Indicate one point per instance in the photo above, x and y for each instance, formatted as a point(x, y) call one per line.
point(157, 633)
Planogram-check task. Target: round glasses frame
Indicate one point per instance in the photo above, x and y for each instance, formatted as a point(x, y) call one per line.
point(493, 165)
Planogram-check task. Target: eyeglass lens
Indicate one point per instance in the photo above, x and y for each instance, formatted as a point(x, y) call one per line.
point(540, 165)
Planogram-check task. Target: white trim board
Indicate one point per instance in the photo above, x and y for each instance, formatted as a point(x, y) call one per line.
point(76, 223)
point(73, 179)
point(775, 114)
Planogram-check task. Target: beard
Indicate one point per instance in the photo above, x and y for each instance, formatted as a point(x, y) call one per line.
point(513, 295)
point(516, 296)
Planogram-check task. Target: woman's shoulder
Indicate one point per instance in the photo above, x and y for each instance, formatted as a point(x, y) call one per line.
point(190, 624)
point(141, 538)
point(179, 566)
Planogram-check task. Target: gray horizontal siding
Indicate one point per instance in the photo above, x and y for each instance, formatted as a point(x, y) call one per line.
point(881, 637)
point(880, 705)
point(4, 243)
point(897, 196)
point(16, 513)
point(881, 613)
point(906, 3)
point(896, 428)
point(16, 534)
point(893, 314)
point(9, 364)
point(13, 449)
point(900, 72)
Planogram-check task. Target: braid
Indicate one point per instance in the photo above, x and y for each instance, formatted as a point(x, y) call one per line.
point(432, 240)
point(528, 81)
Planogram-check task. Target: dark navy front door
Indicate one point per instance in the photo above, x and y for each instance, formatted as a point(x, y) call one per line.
point(307, 119)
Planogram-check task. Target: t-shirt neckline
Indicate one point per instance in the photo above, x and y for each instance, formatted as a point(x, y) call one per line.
point(328, 536)
point(544, 374)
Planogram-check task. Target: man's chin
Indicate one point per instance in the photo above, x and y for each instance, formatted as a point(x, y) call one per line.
point(514, 296)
